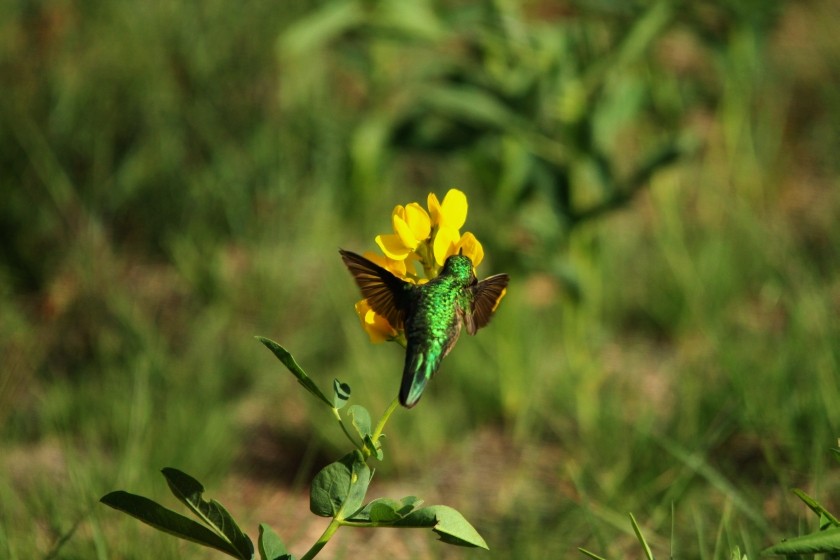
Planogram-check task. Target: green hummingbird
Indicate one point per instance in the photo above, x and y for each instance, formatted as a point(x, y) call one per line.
point(430, 314)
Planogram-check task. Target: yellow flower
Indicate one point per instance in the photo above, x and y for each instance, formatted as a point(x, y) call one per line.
point(420, 236)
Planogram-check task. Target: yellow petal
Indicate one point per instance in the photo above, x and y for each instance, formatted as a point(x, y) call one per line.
point(377, 327)
point(445, 243)
point(394, 266)
point(470, 247)
point(404, 233)
point(392, 246)
point(453, 211)
point(399, 210)
point(418, 221)
point(434, 208)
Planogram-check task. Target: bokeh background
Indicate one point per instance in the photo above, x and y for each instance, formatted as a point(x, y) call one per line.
point(659, 178)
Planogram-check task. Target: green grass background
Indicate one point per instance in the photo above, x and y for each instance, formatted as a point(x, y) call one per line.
point(176, 179)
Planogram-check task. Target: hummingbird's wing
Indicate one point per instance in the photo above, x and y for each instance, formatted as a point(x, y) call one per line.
point(486, 297)
point(386, 294)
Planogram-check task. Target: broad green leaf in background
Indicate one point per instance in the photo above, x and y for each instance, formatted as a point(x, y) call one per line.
point(189, 491)
point(284, 356)
point(166, 520)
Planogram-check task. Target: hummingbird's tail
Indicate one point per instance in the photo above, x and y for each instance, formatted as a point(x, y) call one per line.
point(419, 368)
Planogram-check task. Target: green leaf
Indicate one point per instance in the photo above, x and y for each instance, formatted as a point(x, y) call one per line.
point(813, 543)
point(373, 447)
point(189, 491)
point(284, 356)
point(826, 518)
point(341, 394)
point(447, 522)
point(339, 488)
point(641, 537)
point(166, 520)
point(361, 420)
point(384, 511)
point(590, 554)
point(270, 545)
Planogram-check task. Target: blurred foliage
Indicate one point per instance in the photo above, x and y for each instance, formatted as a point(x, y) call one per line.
point(176, 178)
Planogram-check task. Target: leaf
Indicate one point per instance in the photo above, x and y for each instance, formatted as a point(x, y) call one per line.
point(826, 518)
point(384, 511)
point(361, 420)
point(341, 394)
point(339, 488)
point(641, 537)
point(284, 356)
point(590, 554)
point(270, 545)
point(189, 491)
point(373, 447)
point(166, 520)
point(448, 523)
point(813, 543)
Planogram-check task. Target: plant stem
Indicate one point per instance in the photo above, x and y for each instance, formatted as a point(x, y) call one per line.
point(322, 541)
point(382, 421)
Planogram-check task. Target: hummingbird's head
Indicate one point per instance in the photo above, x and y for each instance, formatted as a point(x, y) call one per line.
point(459, 267)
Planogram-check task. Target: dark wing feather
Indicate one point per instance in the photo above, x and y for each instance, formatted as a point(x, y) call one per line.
point(386, 294)
point(486, 296)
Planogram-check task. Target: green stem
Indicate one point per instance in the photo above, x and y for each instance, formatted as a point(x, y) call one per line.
point(321, 542)
point(382, 421)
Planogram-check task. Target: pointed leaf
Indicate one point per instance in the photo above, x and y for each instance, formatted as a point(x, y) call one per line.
point(448, 523)
point(271, 546)
point(341, 394)
point(590, 554)
point(813, 543)
point(284, 356)
point(189, 491)
point(166, 520)
point(826, 518)
point(641, 537)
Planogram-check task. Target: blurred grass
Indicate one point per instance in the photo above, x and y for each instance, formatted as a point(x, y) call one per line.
point(177, 179)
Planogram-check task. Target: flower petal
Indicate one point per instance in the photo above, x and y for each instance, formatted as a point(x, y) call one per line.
point(394, 266)
point(376, 326)
point(434, 208)
point(392, 246)
point(470, 247)
point(445, 243)
point(418, 221)
point(404, 232)
point(453, 210)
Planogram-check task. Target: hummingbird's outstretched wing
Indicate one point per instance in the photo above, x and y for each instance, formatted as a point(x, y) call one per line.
point(486, 297)
point(386, 294)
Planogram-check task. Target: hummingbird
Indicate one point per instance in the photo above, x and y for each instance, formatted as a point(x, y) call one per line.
point(430, 314)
